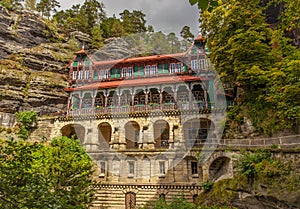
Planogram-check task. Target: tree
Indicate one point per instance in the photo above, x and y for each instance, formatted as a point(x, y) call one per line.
point(133, 22)
point(186, 34)
point(27, 120)
point(96, 40)
point(175, 44)
point(92, 11)
point(41, 175)
point(47, 6)
point(245, 49)
point(12, 4)
point(112, 27)
point(81, 18)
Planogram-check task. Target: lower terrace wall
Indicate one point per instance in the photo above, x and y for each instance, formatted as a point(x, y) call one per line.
point(113, 191)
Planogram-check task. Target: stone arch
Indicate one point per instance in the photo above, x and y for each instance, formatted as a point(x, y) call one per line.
point(74, 130)
point(104, 135)
point(87, 100)
point(197, 130)
point(132, 134)
point(161, 132)
point(220, 168)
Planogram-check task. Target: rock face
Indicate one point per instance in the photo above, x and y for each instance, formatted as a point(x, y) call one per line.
point(32, 74)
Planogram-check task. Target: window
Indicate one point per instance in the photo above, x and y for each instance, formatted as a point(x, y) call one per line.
point(74, 75)
point(81, 74)
point(147, 69)
point(102, 167)
point(129, 71)
point(131, 167)
point(106, 74)
point(87, 74)
point(162, 167)
point(178, 67)
point(153, 70)
point(195, 64)
point(194, 167)
point(124, 72)
point(172, 67)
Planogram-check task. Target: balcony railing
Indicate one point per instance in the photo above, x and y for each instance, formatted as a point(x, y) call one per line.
point(138, 108)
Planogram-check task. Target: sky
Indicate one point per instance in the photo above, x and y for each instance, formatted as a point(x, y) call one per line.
point(164, 15)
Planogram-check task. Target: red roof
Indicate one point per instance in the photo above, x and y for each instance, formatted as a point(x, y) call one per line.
point(141, 59)
point(138, 82)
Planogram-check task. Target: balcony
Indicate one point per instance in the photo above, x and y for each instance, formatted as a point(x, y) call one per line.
point(139, 108)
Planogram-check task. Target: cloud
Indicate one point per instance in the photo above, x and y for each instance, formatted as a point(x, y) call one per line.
point(164, 15)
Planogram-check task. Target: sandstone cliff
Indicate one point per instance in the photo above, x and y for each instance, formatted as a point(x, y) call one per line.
point(32, 60)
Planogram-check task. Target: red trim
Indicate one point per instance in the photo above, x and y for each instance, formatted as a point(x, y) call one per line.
point(139, 82)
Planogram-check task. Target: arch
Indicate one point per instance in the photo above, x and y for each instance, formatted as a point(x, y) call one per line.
point(195, 198)
point(73, 130)
point(112, 98)
point(104, 135)
point(197, 130)
point(130, 200)
point(198, 96)
point(125, 98)
point(154, 96)
point(75, 101)
point(87, 100)
point(132, 134)
point(100, 100)
point(220, 167)
point(140, 98)
point(161, 133)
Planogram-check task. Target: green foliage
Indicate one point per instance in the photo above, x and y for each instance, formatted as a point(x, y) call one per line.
point(133, 22)
point(12, 4)
point(96, 40)
point(83, 18)
point(47, 6)
point(248, 161)
point(260, 164)
point(244, 48)
point(177, 202)
point(27, 118)
point(207, 185)
point(59, 174)
point(30, 4)
point(205, 4)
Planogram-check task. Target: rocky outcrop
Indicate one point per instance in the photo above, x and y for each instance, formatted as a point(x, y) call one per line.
point(32, 61)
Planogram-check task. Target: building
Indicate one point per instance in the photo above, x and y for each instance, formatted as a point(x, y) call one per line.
point(145, 120)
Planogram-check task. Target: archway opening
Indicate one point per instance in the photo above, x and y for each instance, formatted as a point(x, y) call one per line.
point(219, 168)
point(196, 131)
point(104, 135)
point(74, 130)
point(161, 134)
point(132, 134)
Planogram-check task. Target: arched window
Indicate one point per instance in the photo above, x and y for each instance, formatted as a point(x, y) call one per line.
point(196, 130)
point(104, 135)
point(132, 134)
point(87, 100)
point(130, 200)
point(74, 130)
point(161, 134)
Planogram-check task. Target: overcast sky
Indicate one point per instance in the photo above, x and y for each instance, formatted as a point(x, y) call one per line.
point(164, 15)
